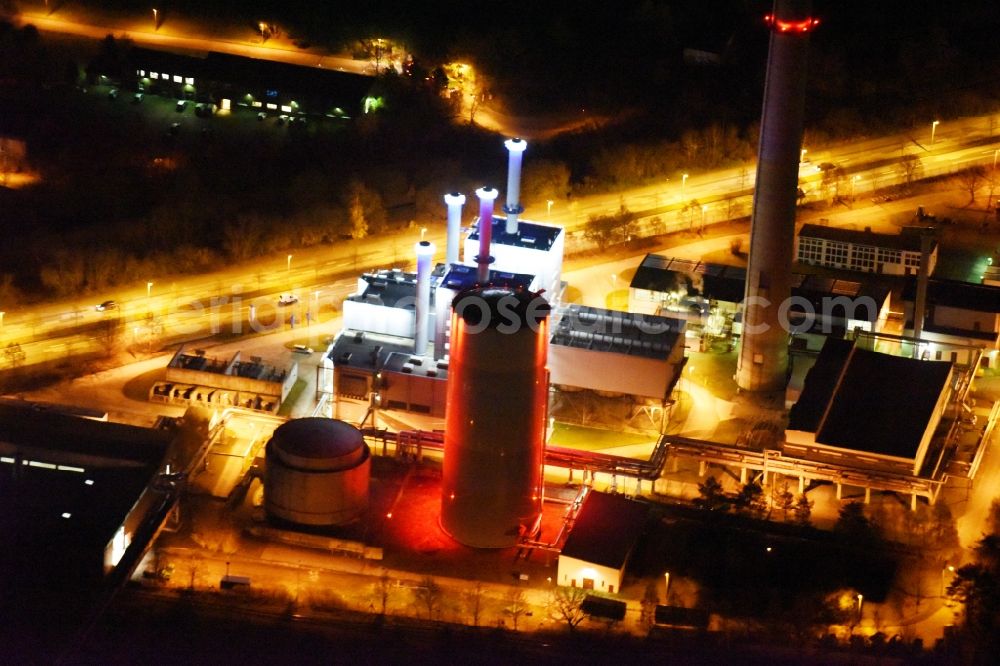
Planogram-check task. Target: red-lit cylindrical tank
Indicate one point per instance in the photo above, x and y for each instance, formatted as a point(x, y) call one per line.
point(496, 413)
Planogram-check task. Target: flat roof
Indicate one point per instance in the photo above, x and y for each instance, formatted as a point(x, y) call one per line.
point(418, 366)
point(531, 235)
point(629, 333)
point(367, 351)
point(908, 240)
point(606, 529)
point(460, 277)
point(956, 294)
point(883, 403)
point(819, 385)
point(23, 426)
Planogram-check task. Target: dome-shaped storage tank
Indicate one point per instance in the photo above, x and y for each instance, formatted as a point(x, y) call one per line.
point(495, 420)
point(317, 472)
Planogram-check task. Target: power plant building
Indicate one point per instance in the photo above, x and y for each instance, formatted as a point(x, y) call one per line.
point(866, 251)
point(317, 473)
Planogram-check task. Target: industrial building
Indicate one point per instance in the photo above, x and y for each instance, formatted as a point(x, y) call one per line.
point(316, 473)
point(866, 251)
point(850, 414)
point(606, 531)
point(231, 81)
point(74, 494)
point(958, 316)
point(709, 297)
point(197, 379)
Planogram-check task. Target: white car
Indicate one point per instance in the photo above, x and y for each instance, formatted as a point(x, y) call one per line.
point(302, 349)
point(288, 299)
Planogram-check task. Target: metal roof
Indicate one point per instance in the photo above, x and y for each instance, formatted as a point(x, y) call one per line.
point(529, 234)
point(628, 333)
point(907, 240)
point(606, 529)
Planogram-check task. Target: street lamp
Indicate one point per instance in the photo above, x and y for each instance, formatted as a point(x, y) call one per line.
point(156, 19)
point(666, 588)
point(1, 319)
point(423, 232)
point(262, 27)
point(949, 569)
point(861, 600)
point(854, 179)
point(995, 158)
point(802, 155)
point(288, 267)
point(684, 180)
point(549, 202)
point(149, 288)
point(934, 129)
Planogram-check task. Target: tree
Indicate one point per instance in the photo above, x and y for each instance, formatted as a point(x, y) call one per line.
point(544, 180)
point(977, 587)
point(428, 594)
point(650, 599)
point(803, 510)
point(515, 605)
point(711, 496)
point(909, 169)
point(365, 211)
point(243, 237)
point(785, 500)
point(14, 355)
point(565, 605)
point(601, 229)
point(356, 218)
point(750, 500)
point(474, 603)
point(970, 179)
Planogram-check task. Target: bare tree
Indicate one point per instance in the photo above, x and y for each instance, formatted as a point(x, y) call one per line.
point(515, 605)
point(909, 169)
point(785, 501)
point(565, 605)
point(803, 510)
point(428, 594)
point(971, 179)
point(474, 603)
point(650, 599)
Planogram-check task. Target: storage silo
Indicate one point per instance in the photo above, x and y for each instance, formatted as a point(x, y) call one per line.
point(496, 416)
point(317, 472)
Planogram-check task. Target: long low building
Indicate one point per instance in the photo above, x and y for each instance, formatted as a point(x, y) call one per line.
point(865, 251)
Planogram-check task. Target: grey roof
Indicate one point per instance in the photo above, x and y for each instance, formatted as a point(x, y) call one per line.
point(907, 240)
point(628, 333)
point(606, 529)
point(367, 351)
point(461, 277)
point(529, 234)
point(883, 403)
point(420, 366)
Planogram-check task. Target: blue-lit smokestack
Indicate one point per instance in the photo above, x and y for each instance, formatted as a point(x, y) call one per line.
point(763, 360)
point(483, 259)
point(425, 259)
point(515, 147)
point(455, 202)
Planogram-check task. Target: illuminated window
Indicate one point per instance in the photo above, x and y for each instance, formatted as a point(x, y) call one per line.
point(140, 72)
point(256, 104)
point(273, 107)
point(225, 104)
point(286, 109)
point(67, 514)
point(154, 75)
point(177, 79)
point(189, 80)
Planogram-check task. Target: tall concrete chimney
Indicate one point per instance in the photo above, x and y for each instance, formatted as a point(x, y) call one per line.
point(425, 258)
point(483, 259)
point(515, 147)
point(763, 359)
point(455, 202)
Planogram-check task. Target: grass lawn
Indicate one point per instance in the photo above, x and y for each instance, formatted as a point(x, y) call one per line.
point(593, 439)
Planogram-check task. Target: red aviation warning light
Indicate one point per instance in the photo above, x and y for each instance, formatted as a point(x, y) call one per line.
point(782, 25)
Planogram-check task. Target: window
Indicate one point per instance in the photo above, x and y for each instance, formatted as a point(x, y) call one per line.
point(154, 75)
point(810, 250)
point(862, 257)
point(189, 80)
point(835, 254)
point(177, 79)
point(889, 256)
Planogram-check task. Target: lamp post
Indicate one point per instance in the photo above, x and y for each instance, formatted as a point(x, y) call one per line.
point(156, 19)
point(549, 202)
point(802, 155)
point(423, 232)
point(948, 569)
point(288, 267)
point(861, 601)
point(995, 158)
point(149, 292)
point(934, 130)
point(1, 320)
point(666, 588)
point(854, 179)
point(262, 27)
point(684, 180)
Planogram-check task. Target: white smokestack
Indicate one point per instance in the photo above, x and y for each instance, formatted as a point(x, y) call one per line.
point(513, 208)
point(483, 259)
point(425, 257)
point(455, 202)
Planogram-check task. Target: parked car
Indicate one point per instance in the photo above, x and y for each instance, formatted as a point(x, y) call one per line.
point(181, 104)
point(174, 129)
point(113, 94)
point(302, 349)
point(261, 116)
point(106, 305)
point(137, 98)
point(288, 299)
